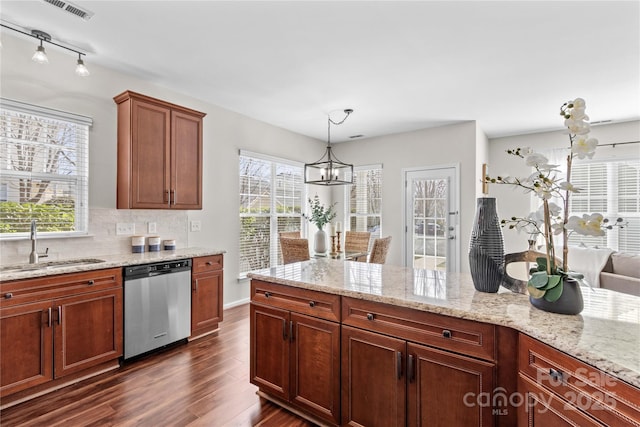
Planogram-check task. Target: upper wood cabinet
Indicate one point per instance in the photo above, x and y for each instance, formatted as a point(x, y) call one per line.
point(159, 154)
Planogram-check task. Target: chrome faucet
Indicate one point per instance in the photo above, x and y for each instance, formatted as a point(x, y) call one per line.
point(34, 256)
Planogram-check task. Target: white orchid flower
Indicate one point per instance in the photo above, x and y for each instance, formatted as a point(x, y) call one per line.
point(577, 127)
point(567, 186)
point(543, 192)
point(536, 159)
point(584, 147)
point(588, 225)
point(579, 103)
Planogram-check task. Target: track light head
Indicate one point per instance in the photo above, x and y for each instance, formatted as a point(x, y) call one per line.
point(81, 69)
point(40, 56)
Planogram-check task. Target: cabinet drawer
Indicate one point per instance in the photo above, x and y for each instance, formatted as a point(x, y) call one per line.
point(448, 333)
point(602, 396)
point(317, 304)
point(48, 287)
point(206, 263)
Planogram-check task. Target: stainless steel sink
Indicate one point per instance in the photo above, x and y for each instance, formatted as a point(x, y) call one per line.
point(48, 265)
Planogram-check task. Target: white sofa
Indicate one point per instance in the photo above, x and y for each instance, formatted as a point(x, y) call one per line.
point(622, 273)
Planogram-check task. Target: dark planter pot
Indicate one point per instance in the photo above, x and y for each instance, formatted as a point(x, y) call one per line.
point(570, 302)
point(486, 249)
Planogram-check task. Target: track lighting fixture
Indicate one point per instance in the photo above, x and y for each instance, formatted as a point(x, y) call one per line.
point(40, 56)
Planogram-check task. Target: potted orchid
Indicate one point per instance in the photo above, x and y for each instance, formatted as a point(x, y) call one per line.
point(552, 278)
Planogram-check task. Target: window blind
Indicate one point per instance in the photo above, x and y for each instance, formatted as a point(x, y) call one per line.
point(611, 188)
point(271, 201)
point(365, 201)
point(44, 170)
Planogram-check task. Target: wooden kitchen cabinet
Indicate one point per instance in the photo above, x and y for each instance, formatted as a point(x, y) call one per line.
point(295, 357)
point(206, 295)
point(388, 381)
point(447, 389)
point(55, 327)
point(159, 154)
point(373, 380)
point(558, 386)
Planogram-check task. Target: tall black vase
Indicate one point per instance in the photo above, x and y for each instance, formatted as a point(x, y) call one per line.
point(486, 249)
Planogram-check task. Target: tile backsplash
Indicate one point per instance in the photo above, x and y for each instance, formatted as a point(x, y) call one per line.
point(102, 238)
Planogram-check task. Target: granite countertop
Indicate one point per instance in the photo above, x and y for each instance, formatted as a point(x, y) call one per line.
point(50, 268)
point(605, 335)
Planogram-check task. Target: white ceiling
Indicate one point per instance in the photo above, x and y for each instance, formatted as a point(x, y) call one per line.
point(401, 66)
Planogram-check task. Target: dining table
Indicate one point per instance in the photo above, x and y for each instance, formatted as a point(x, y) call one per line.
point(346, 256)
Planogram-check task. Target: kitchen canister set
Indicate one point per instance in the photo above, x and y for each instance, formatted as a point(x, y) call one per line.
point(138, 244)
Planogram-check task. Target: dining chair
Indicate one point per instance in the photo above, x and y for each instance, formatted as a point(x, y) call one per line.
point(289, 234)
point(356, 241)
point(294, 250)
point(379, 250)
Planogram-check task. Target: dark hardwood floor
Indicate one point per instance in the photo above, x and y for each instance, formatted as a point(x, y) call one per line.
point(202, 383)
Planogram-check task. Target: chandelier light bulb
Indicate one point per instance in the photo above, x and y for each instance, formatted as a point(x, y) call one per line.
point(40, 56)
point(81, 69)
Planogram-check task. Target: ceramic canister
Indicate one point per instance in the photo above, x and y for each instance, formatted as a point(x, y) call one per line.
point(154, 243)
point(169, 245)
point(137, 244)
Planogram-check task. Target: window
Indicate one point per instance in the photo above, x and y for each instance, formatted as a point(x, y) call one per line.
point(44, 170)
point(611, 188)
point(271, 201)
point(364, 200)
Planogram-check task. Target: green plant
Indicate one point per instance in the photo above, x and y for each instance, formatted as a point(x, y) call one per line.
point(319, 214)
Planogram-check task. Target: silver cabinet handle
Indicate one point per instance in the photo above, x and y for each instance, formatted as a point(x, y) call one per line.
point(49, 317)
point(59, 315)
point(399, 364)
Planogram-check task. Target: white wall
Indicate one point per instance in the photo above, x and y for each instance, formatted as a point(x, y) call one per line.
point(444, 145)
point(55, 85)
point(512, 201)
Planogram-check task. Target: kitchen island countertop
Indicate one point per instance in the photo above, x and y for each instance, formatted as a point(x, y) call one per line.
point(605, 335)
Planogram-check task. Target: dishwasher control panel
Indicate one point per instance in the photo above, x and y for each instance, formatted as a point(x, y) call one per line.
point(154, 269)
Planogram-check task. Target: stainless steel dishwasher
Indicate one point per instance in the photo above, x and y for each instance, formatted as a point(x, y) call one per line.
point(157, 305)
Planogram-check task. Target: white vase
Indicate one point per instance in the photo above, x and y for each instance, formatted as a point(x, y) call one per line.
point(320, 242)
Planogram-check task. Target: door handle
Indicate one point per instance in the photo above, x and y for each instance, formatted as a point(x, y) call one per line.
point(167, 197)
point(284, 329)
point(173, 196)
point(411, 368)
point(399, 364)
point(59, 315)
point(291, 330)
point(49, 317)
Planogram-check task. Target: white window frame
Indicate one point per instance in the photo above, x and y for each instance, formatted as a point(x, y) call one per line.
point(274, 246)
point(81, 179)
point(347, 200)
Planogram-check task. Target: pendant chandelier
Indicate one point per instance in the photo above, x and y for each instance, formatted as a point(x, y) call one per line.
point(328, 170)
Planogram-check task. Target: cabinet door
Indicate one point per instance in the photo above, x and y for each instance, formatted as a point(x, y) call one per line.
point(446, 389)
point(87, 330)
point(315, 366)
point(206, 302)
point(25, 346)
point(373, 380)
point(269, 347)
point(540, 408)
point(186, 161)
point(150, 155)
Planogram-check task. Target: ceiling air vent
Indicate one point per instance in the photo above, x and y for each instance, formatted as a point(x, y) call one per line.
point(71, 8)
